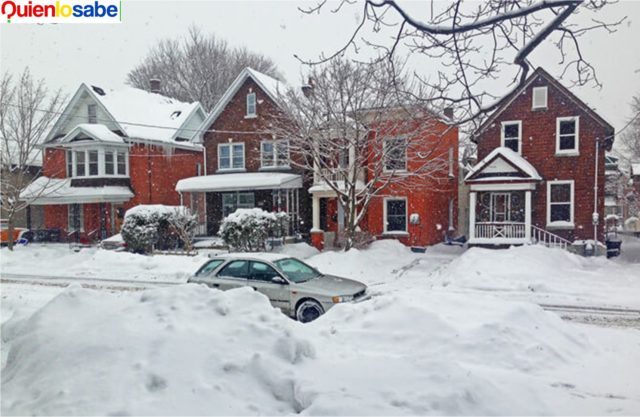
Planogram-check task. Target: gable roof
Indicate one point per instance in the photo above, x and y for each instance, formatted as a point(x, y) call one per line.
point(509, 98)
point(272, 87)
point(518, 167)
point(136, 113)
point(98, 132)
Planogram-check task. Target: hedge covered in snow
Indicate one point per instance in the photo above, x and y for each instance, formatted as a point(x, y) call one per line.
point(247, 230)
point(149, 227)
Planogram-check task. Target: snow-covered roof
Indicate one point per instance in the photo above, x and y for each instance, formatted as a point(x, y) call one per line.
point(96, 131)
point(510, 156)
point(323, 187)
point(13, 153)
point(261, 256)
point(610, 201)
point(138, 114)
point(635, 168)
point(44, 191)
point(149, 209)
point(240, 181)
point(272, 87)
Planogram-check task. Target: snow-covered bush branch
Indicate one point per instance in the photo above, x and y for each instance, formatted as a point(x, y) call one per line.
point(247, 230)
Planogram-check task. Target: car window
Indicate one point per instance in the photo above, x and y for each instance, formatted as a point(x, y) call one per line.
point(209, 267)
point(260, 271)
point(296, 270)
point(236, 269)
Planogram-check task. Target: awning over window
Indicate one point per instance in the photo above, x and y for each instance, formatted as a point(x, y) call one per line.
point(47, 191)
point(240, 181)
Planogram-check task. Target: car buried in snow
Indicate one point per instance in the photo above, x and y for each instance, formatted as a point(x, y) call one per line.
point(299, 290)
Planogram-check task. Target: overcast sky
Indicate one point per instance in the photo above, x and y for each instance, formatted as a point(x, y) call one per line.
point(69, 54)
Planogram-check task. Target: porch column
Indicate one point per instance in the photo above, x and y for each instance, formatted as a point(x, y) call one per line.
point(527, 215)
point(472, 215)
point(316, 213)
point(317, 235)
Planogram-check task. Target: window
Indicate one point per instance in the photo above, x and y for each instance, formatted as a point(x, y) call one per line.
point(69, 164)
point(259, 271)
point(567, 135)
point(451, 164)
point(560, 203)
point(231, 156)
point(274, 154)
point(511, 135)
point(93, 162)
point(539, 98)
point(395, 214)
point(251, 105)
point(198, 169)
point(236, 269)
point(395, 154)
point(208, 268)
point(92, 113)
point(75, 218)
point(122, 164)
point(296, 270)
point(109, 163)
point(80, 164)
point(233, 201)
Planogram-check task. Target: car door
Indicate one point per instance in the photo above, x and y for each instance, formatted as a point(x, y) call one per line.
point(205, 274)
point(260, 278)
point(232, 275)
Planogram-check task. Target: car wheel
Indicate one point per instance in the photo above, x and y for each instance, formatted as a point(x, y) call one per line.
point(309, 310)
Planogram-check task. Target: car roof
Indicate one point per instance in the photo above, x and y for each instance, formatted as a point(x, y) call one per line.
point(257, 256)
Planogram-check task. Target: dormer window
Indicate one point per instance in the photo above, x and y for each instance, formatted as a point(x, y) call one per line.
point(92, 114)
point(251, 105)
point(101, 162)
point(539, 98)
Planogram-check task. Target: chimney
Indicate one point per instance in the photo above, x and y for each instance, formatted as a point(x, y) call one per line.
point(307, 89)
point(154, 85)
point(448, 113)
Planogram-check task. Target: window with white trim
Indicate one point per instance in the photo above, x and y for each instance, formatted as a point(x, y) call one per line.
point(251, 105)
point(97, 162)
point(567, 134)
point(395, 215)
point(93, 162)
point(539, 98)
point(109, 165)
point(512, 135)
point(560, 202)
point(92, 113)
point(395, 154)
point(69, 164)
point(80, 164)
point(274, 153)
point(121, 162)
point(231, 156)
point(451, 165)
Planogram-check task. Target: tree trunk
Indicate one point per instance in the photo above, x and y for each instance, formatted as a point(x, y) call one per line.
point(10, 230)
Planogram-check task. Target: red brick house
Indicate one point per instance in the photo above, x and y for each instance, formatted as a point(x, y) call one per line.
point(111, 150)
point(246, 166)
point(541, 169)
point(416, 209)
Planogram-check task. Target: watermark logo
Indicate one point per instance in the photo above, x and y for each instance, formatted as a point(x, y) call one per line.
point(60, 11)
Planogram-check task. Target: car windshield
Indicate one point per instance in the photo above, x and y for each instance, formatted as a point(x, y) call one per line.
point(295, 270)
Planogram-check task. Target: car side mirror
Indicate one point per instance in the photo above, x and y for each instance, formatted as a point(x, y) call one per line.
point(278, 280)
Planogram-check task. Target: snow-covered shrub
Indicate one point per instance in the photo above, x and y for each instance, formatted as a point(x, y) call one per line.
point(147, 227)
point(247, 230)
point(184, 225)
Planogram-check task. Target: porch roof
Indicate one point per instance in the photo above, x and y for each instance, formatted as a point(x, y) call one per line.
point(49, 191)
point(240, 181)
point(503, 165)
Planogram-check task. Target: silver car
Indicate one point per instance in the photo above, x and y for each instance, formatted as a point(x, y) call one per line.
point(298, 289)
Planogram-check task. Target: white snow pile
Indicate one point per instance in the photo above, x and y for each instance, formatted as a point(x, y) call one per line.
point(191, 350)
point(546, 275)
point(297, 250)
point(59, 260)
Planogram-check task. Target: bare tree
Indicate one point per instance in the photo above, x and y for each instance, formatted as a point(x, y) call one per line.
point(466, 43)
point(184, 225)
point(196, 67)
point(26, 113)
point(358, 135)
point(630, 139)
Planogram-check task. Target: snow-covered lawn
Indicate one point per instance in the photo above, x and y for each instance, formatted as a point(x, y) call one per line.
point(446, 332)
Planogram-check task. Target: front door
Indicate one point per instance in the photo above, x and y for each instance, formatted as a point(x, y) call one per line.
point(500, 207)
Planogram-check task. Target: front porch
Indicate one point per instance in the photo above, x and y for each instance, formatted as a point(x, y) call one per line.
point(501, 217)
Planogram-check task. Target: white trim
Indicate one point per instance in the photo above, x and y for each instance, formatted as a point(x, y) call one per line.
point(384, 155)
point(511, 122)
point(533, 98)
point(275, 165)
point(406, 216)
point(503, 186)
point(231, 167)
point(498, 241)
point(568, 152)
point(255, 105)
point(562, 224)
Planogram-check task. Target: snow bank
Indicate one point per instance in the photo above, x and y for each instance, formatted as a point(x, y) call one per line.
point(546, 275)
point(59, 260)
point(190, 350)
point(297, 250)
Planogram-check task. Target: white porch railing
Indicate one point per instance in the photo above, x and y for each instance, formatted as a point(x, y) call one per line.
point(500, 230)
point(549, 239)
